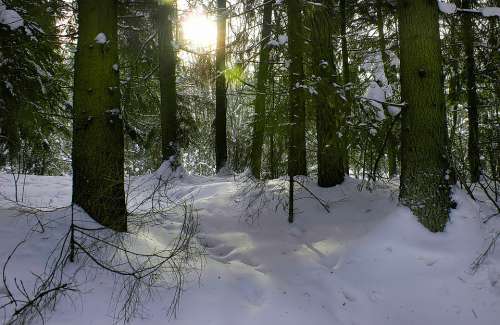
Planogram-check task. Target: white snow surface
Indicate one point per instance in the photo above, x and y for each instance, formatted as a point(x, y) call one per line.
point(368, 261)
point(10, 17)
point(282, 40)
point(377, 96)
point(393, 110)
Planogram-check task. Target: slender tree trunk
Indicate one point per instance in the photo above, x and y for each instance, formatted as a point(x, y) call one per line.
point(494, 44)
point(9, 128)
point(328, 103)
point(470, 67)
point(272, 156)
point(168, 91)
point(392, 149)
point(455, 87)
point(259, 123)
point(97, 125)
point(346, 74)
point(424, 139)
point(296, 114)
point(220, 88)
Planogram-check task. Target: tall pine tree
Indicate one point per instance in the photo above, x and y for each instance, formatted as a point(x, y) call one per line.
point(220, 89)
point(168, 90)
point(328, 103)
point(296, 110)
point(97, 122)
point(424, 165)
point(259, 123)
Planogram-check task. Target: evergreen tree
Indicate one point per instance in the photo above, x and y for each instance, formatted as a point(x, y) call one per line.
point(424, 165)
point(168, 87)
point(34, 118)
point(470, 72)
point(327, 101)
point(220, 88)
point(98, 185)
point(259, 123)
point(392, 150)
point(346, 77)
point(296, 111)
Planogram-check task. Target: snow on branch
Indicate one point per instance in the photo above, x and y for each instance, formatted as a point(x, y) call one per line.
point(451, 8)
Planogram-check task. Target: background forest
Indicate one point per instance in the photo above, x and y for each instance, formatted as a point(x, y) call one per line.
point(362, 59)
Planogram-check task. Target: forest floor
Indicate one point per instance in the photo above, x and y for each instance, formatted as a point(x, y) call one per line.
point(367, 261)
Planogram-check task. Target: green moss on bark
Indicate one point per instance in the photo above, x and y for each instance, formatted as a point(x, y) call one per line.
point(424, 164)
point(97, 125)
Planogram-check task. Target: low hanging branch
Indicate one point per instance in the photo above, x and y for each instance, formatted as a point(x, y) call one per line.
point(322, 202)
point(482, 257)
point(139, 274)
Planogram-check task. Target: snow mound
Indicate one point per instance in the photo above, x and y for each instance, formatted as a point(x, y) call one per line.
point(368, 261)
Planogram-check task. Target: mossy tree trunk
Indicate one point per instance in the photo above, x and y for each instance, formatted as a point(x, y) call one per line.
point(220, 88)
point(346, 76)
point(424, 163)
point(296, 111)
point(168, 91)
point(259, 123)
point(494, 44)
point(97, 125)
point(328, 103)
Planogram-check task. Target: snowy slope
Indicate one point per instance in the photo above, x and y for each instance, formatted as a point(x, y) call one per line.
point(368, 261)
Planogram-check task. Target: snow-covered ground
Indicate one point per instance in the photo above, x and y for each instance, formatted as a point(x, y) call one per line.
point(368, 261)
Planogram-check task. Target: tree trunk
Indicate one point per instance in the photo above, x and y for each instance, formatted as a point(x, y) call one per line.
point(346, 75)
point(168, 92)
point(97, 125)
point(259, 123)
point(470, 71)
point(328, 103)
point(392, 143)
point(494, 58)
point(296, 112)
point(455, 87)
point(424, 164)
point(220, 88)
point(9, 128)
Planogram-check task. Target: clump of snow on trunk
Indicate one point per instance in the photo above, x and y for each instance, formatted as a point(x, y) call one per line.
point(101, 38)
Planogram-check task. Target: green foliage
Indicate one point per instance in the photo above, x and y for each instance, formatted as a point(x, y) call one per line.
point(34, 82)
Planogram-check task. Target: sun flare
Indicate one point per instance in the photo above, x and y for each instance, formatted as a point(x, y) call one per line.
point(199, 31)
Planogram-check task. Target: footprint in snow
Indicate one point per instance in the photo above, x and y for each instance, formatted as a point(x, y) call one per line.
point(251, 291)
point(233, 254)
point(349, 296)
point(295, 231)
point(208, 241)
point(428, 261)
point(220, 251)
point(494, 277)
point(374, 296)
